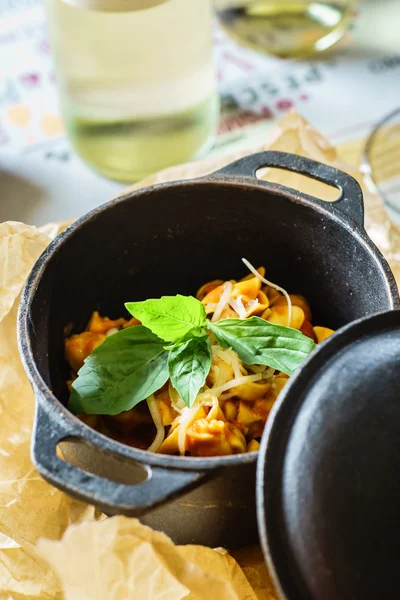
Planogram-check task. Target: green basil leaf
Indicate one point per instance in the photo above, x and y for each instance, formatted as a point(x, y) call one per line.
point(257, 341)
point(189, 364)
point(125, 369)
point(170, 317)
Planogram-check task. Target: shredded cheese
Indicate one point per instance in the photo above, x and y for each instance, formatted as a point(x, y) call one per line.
point(257, 368)
point(223, 301)
point(188, 415)
point(216, 391)
point(238, 306)
point(214, 409)
point(268, 373)
point(243, 311)
point(156, 416)
point(273, 285)
point(230, 357)
point(112, 331)
point(210, 307)
point(176, 401)
point(252, 305)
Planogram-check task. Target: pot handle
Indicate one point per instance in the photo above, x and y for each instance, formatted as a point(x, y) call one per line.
point(350, 201)
point(160, 485)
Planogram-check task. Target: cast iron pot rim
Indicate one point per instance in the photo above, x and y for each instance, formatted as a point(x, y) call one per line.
point(272, 457)
point(83, 431)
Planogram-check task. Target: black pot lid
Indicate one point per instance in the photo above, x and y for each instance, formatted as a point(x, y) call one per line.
point(329, 470)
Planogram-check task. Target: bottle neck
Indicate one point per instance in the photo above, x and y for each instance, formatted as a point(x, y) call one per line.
point(115, 5)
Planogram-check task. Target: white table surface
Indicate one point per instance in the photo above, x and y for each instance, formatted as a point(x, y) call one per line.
point(41, 178)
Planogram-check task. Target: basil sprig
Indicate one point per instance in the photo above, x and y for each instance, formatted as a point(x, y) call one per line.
point(189, 365)
point(125, 369)
point(170, 317)
point(258, 342)
point(134, 363)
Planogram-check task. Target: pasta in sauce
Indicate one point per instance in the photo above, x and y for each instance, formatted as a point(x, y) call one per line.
point(230, 412)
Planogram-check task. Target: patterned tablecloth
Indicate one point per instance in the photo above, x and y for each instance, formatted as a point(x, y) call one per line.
point(342, 94)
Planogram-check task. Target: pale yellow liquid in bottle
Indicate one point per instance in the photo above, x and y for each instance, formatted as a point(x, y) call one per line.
point(137, 88)
point(286, 27)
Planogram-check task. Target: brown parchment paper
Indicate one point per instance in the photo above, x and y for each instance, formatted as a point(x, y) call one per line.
point(137, 562)
point(54, 547)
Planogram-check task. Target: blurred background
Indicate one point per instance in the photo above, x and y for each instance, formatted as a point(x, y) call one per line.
point(95, 94)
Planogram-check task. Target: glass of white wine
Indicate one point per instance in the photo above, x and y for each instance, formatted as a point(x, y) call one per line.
point(287, 28)
point(136, 81)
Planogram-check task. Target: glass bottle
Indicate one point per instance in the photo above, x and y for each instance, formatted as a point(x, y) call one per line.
point(287, 28)
point(136, 81)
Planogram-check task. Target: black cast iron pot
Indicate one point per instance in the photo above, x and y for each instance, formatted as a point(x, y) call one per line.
point(170, 239)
